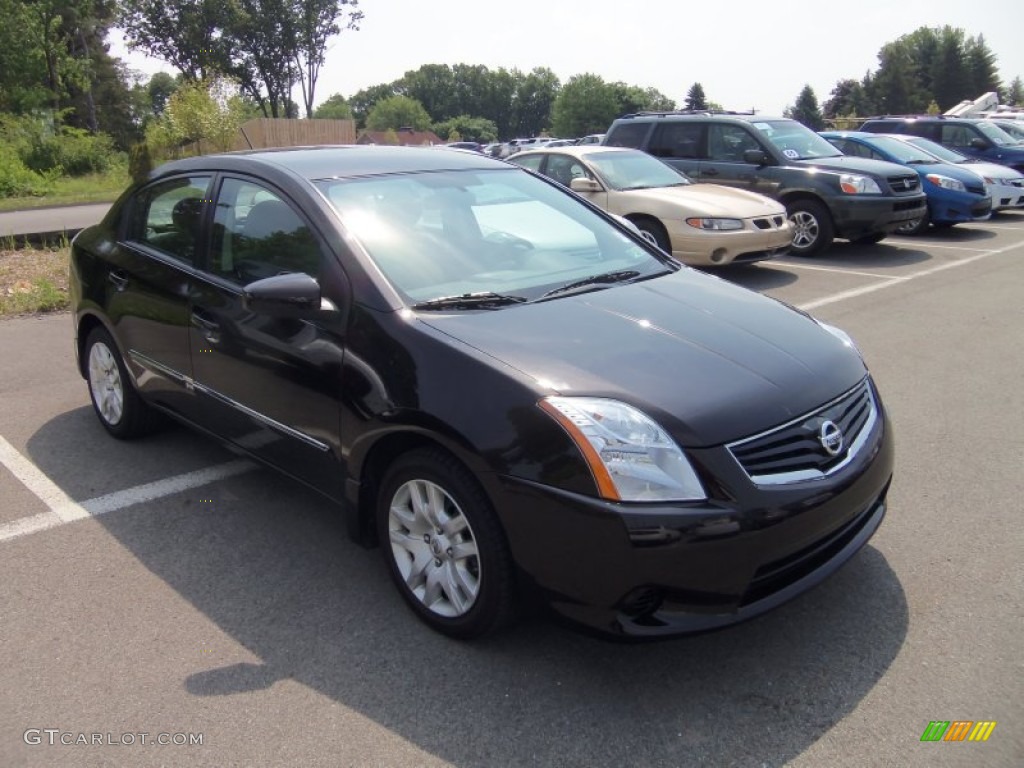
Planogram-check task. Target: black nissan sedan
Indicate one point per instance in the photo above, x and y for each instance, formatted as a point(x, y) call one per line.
point(507, 389)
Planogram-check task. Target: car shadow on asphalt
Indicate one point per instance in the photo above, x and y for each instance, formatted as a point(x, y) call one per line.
point(268, 561)
point(762, 276)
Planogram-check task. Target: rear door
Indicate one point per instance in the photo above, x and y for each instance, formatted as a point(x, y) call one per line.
point(151, 274)
point(271, 385)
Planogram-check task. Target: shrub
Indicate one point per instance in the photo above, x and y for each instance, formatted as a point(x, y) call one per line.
point(18, 181)
point(73, 151)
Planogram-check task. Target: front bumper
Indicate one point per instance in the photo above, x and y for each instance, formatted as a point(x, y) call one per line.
point(857, 216)
point(645, 570)
point(717, 249)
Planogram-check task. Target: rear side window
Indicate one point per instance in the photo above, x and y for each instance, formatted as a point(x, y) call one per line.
point(677, 140)
point(168, 216)
point(628, 135)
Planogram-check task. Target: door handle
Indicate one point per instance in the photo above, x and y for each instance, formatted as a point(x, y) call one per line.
point(709, 172)
point(209, 329)
point(118, 278)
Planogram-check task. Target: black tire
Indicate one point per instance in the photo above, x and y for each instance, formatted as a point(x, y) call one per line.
point(655, 229)
point(874, 237)
point(913, 227)
point(120, 409)
point(812, 227)
point(447, 556)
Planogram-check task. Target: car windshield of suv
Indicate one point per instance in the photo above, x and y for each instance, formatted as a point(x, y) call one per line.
point(996, 135)
point(634, 170)
point(1016, 130)
point(945, 154)
point(465, 239)
point(794, 140)
point(901, 151)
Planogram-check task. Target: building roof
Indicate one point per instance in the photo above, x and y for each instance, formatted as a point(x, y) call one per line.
point(406, 138)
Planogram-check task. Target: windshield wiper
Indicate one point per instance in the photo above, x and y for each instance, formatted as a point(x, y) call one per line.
point(606, 278)
point(484, 300)
point(922, 162)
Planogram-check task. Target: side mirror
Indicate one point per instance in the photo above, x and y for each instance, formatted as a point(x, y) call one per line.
point(979, 143)
point(584, 186)
point(294, 294)
point(755, 157)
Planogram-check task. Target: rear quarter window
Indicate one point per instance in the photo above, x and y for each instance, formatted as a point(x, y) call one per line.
point(630, 135)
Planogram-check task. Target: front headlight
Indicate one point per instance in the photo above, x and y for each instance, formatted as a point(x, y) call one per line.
point(852, 184)
point(631, 457)
point(715, 224)
point(946, 183)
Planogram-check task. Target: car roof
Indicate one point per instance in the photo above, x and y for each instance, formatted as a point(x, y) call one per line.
point(577, 150)
point(743, 116)
point(344, 161)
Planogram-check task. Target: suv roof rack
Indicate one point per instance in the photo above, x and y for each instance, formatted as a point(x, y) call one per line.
point(706, 112)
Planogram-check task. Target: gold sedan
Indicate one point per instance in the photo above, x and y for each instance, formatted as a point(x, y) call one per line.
point(699, 224)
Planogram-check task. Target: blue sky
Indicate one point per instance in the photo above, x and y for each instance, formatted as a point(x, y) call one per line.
point(746, 53)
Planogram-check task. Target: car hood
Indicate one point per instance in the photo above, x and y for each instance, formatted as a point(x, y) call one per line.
point(706, 200)
point(850, 164)
point(958, 172)
point(710, 361)
point(992, 170)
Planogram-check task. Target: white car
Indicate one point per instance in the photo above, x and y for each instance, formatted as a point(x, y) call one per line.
point(1004, 184)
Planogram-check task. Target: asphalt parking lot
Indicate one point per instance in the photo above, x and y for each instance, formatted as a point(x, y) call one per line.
point(168, 588)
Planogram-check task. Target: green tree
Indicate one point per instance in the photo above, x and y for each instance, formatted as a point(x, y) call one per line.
point(849, 97)
point(397, 112)
point(1015, 93)
point(468, 128)
point(894, 88)
point(806, 110)
point(533, 105)
point(695, 98)
point(334, 107)
point(313, 24)
point(160, 88)
point(981, 64)
point(633, 98)
point(208, 113)
point(22, 66)
point(952, 81)
point(363, 101)
point(585, 105)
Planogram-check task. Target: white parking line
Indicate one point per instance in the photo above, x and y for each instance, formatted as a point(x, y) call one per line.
point(843, 295)
point(948, 247)
point(839, 270)
point(63, 509)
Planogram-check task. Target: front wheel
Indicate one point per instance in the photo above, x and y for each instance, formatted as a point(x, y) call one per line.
point(654, 230)
point(812, 227)
point(443, 545)
point(913, 227)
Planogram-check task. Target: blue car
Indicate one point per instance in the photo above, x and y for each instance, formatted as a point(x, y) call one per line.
point(954, 194)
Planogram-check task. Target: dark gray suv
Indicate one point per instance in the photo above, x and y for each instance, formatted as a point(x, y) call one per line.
point(827, 194)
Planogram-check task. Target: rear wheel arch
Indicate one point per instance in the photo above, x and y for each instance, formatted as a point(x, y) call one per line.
point(86, 324)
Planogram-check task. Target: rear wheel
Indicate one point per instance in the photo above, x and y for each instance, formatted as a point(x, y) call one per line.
point(812, 227)
point(120, 409)
point(443, 545)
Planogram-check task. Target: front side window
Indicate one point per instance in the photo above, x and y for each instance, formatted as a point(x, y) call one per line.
point(257, 234)
point(564, 168)
point(956, 136)
point(168, 216)
point(464, 233)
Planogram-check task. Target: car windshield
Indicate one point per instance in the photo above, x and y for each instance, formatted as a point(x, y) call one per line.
point(945, 154)
point(634, 170)
point(795, 140)
point(901, 151)
point(996, 135)
point(484, 236)
point(1015, 130)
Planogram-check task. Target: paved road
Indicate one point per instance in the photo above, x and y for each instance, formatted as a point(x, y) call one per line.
point(51, 220)
point(219, 600)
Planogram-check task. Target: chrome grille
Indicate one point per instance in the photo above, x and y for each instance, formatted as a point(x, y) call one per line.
point(904, 184)
point(795, 452)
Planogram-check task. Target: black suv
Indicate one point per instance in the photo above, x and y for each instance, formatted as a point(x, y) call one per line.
point(826, 193)
point(982, 139)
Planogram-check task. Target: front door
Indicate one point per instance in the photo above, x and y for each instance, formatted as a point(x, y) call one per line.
point(726, 165)
point(271, 385)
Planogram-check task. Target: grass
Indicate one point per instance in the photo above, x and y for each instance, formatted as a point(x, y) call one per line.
point(72, 190)
point(32, 280)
